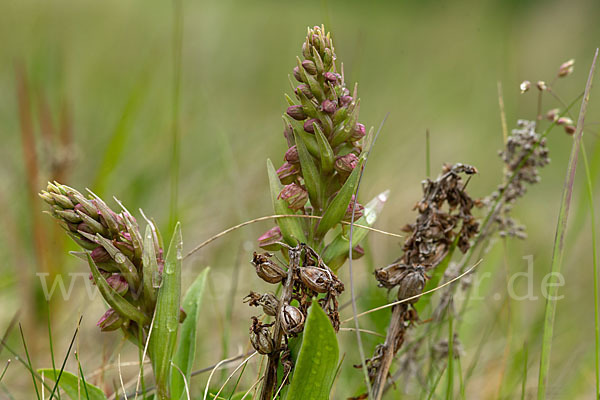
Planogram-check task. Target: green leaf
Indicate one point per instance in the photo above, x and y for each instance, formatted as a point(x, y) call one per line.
point(310, 173)
point(338, 206)
point(339, 246)
point(186, 349)
point(309, 140)
point(327, 157)
point(72, 385)
point(150, 265)
point(291, 228)
point(114, 299)
point(316, 365)
point(166, 318)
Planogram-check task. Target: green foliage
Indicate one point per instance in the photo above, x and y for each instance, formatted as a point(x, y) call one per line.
point(72, 385)
point(291, 228)
point(338, 206)
point(166, 319)
point(186, 348)
point(316, 365)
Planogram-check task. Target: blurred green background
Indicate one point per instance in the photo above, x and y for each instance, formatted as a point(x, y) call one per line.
point(87, 88)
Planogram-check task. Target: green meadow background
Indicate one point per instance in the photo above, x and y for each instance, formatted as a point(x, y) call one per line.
point(88, 94)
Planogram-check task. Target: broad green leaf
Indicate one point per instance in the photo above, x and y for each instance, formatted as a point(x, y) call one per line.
point(338, 206)
point(316, 365)
point(339, 246)
point(327, 157)
point(310, 172)
point(186, 349)
point(166, 318)
point(72, 385)
point(291, 228)
point(114, 299)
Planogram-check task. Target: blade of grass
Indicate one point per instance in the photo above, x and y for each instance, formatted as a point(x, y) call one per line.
point(427, 154)
point(558, 250)
point(5, 369)
point(525, 359)
point(87, 395)
point(590, 195)
point(175, 131)
point(62, 368)
point(450, 387)
point(50, 340)
point(37, 392)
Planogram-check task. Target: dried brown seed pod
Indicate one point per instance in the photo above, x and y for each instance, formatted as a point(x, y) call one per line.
point(391, 275)
point(412, 284)
point(266, 269)
point(291, 319)
point(260, 337)
point(316, 279)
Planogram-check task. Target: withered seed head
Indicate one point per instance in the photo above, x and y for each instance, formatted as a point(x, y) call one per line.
point(266, 269)
point(292, 320)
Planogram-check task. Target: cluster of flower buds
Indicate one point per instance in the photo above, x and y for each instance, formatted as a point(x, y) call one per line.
point(525, 151)
point(324, 138)
point(310, 277)
point(125, 266)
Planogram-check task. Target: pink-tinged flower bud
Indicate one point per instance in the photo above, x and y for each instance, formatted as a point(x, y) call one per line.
point(541, 85)
point(525, 86)
point(570, 129)
point(564, 121)
point(306, 50)
point(344, 165)
point(99, 255)
point(288, 173)
point(308, 125)
point(291, 155)
point(329, 106)
point(566, 68)
point(309, 67)
point(269, 239)
point(296, 112)
point(110, 321)
point(182, 315)
point(331, 77)
point(305, 89)
point(118, 283)
point(288, 134)
point(297, 74)
point(359, 210)
point(358, 252)
point(346, 100)
point(552, 115)
point(358, 132)
point(294, 195)
point(83, 227)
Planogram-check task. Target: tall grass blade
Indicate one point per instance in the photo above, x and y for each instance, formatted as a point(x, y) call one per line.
point(525, 361)
point(558, 250)
point(175, 131)
point(590, 195)
point(37, 392)
point(50, 340)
